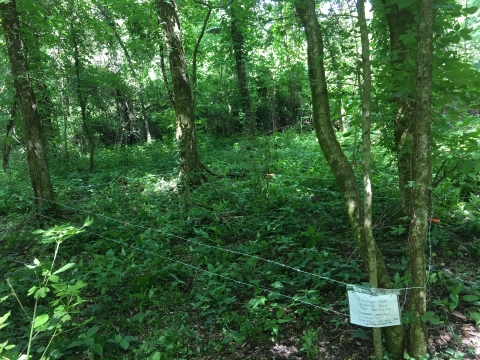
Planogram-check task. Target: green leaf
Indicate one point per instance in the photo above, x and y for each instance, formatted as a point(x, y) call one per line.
point(211, 268)
point(75, 343)
point(40, 320)
point(3, 318)
point(92, 331)
point(31, 290)
point(54, 278)
point(470, 298)
point(64, 268)
point(98, 348)
point(476, 317)
point(226, 340)
point(280, 313)
point(397, 278)
point(124, 344)
point(41, 292)
point(477, 167)
point(470, 10)
point(88, 222)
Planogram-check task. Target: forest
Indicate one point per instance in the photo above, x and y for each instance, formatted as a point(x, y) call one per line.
point(240, 179)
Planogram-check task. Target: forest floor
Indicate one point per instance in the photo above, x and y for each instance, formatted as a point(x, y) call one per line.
point(255, 268)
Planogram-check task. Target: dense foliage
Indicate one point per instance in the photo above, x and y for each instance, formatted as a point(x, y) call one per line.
point(131, 261)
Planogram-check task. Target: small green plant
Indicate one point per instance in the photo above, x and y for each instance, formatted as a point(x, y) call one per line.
point(59, 309)
point(88, 339)
point(452, 302)
point(308, 342)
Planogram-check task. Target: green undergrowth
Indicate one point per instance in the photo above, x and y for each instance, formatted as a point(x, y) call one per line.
point(145, 280)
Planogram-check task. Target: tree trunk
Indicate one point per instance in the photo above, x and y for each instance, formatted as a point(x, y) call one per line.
point(335, 156)
point(190, 165)
point(82, 99)
point(112, 25)
point(8, 135)
point(366, 91)
point(123, 114)
point(32, 128)
point(195, 55)
point(421, 177)
point(400, 22)
point(238, 49)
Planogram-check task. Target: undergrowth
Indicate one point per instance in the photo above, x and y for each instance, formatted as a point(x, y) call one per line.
point(145, 280)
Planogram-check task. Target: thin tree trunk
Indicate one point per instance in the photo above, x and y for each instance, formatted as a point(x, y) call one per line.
point(8, 135)
point(421, 178)
point(112, 25)
point(123, 114)
point(238, 50)
point(83, 105)
point(65, 111)
point(341, 168)
point(400, 22)
point(367, 175)
point(190, 165)
point(32, 128)
point(195, 55)
point(164, 71)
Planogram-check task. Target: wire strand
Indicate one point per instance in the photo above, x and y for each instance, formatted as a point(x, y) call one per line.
point(205, 271)
point(222, 249)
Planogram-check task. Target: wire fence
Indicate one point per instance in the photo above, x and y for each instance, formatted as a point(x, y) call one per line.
point(226, 250)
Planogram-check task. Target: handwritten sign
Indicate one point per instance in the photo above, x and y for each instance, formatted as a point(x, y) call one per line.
point(373, 307)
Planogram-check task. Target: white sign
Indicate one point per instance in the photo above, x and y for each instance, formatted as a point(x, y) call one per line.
point(373, 307)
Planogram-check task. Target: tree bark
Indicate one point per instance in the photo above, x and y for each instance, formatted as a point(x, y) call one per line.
point(421, 178)
point(82, 99)
point(238, 50)
point(341, 168)
point(190, 165)
point(366, 91)
point(195, 55)
point(8, 135)
point(32, 128)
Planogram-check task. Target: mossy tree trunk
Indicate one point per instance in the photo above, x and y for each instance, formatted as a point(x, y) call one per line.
point(190, 165)
point(32, 127)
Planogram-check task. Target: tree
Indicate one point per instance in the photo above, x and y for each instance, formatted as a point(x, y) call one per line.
point(421, 176)
point(238, 50)
point(82, 99)
point(190, 165)
point(8, 136)
point(366, 91)
point(339, 164)
point(400, 22)
point(112, 25)
point(32, 128)
point(343, 172)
